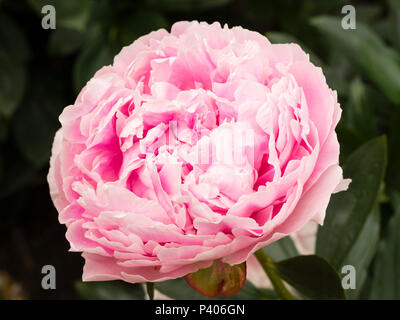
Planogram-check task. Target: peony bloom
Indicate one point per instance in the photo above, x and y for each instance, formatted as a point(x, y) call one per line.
point(200, 144)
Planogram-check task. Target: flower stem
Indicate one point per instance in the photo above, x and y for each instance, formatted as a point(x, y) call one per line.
point(150, 290)
point(269, 268)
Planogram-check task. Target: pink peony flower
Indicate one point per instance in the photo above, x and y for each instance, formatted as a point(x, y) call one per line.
point(201, 144)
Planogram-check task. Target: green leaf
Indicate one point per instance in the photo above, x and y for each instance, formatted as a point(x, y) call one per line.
point(219, 278)
point(12, 40)
point(187, 5)
point(1, 165)
point(349, 140)
point(34, 134)
point(312, 276)
point(15, 209)
point(281, 249)
point(34, 125)
point(339, 71)
point(363, 251)
point(70, 14)
point(393, 175)
point(280, 37)
point(359, 111)
point(179, 289)
point(3, 129)
point(64, 41)
point(379, 62)
point(94, 55)
point(386, 281)
point(14, 51)
point(394, 22)
point(139, 24)
point(368, 12)
point(109, 290)
point(12, 85)
point(342, 237)
point(18, 175)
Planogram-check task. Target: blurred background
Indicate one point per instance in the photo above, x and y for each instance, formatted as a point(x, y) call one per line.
point(43, 70)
